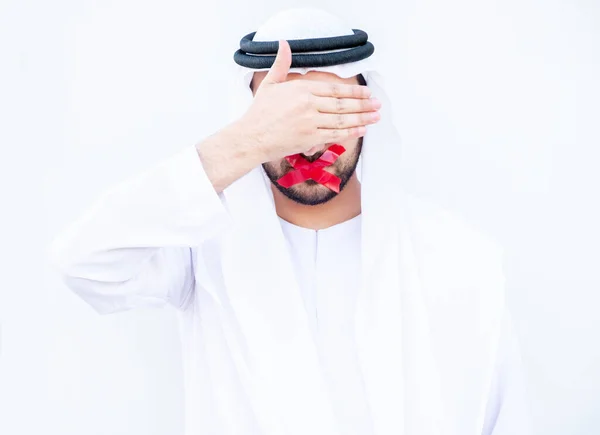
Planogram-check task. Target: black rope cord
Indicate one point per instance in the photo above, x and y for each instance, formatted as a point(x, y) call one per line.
point(261, 54)
point(303, 45)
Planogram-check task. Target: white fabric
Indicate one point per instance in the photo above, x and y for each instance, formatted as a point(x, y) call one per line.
point(330, 298)
point(158, 238)
point(429, 304)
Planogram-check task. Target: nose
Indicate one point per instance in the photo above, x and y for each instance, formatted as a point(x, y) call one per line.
point(314, 150)
point(318, 149)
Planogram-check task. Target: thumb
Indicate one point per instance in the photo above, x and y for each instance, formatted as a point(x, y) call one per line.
point(279, 71)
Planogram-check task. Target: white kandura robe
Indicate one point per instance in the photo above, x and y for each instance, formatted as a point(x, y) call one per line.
point(155, 239)
point(327, 266)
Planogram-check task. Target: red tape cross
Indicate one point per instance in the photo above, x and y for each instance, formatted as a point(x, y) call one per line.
point(305, 170)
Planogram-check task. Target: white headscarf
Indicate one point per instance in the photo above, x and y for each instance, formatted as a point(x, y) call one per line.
point(279, 364)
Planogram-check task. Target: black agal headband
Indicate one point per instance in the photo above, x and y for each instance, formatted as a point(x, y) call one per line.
point(349, 48)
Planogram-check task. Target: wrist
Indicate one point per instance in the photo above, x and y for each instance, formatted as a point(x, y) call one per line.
point(248, 142)
point(227, 155)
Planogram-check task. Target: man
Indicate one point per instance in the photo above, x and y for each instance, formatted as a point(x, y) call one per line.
point(315, 296)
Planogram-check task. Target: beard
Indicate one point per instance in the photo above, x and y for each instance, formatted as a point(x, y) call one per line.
point(310, 192)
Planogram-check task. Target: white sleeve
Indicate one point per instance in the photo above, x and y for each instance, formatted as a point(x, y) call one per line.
point(507, 411)
point(132, 248)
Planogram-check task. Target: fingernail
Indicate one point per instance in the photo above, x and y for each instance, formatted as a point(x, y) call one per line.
point(375, 116)
point(376, 103)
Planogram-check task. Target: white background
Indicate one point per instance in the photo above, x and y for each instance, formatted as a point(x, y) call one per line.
point(498, 105)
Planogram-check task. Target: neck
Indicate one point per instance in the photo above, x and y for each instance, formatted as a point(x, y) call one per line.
point(344, 206)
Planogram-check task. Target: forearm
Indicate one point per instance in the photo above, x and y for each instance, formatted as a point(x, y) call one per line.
point(169, 205)
point(229, 154)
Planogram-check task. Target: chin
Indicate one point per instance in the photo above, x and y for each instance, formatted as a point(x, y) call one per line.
point(307, 194)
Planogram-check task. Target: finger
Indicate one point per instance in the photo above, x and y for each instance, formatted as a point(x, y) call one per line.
point(346, 120)
point(346, 105)
point(334, 134)
point(338, 90)
point(281, 66)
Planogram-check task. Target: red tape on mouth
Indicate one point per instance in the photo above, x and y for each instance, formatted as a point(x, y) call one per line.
point(305, 170)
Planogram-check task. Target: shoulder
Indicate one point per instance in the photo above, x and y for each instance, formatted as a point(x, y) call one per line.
point(443, 229)
point(449, 245)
